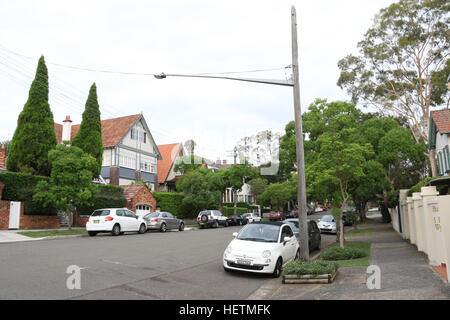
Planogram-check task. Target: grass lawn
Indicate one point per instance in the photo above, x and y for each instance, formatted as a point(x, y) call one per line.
point(359, 232)
point(51, 233)
point(360, 262)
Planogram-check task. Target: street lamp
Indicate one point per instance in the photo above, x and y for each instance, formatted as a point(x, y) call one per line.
point(301, 196)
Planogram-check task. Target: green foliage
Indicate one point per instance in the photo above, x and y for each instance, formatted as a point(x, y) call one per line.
point(258, 186)
point(401, 54)
point(108, 196)
point(171, 202)
point(278, 194)
point(297, 267)
point(70, 184)
point(202, 189)
point(442, 189)
point(230, 210)
point(187, 164)
point(337, 253)
point(21, 187)
point(89, 137)
point(34, 136)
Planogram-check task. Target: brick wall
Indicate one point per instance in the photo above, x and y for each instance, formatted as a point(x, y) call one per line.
point(143, 196)
point(26, 221)
point(79, 221)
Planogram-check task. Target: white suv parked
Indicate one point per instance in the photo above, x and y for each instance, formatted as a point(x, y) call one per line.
point(114, 220)
point(211, 218)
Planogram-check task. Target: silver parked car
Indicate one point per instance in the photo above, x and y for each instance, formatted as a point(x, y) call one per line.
point(163, 221)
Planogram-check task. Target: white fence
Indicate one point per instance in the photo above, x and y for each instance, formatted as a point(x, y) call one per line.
point(424, 220)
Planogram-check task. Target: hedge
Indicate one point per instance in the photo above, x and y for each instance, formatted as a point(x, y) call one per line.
point(297, 267)
point(109, 196)
point(230, 210)
point(21, 187)
point(417, 188)
point(171, 202)
point(239, 204)
point(338, 253)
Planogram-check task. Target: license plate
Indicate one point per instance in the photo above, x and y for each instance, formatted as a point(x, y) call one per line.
point(202, 223)
point(96, 221)
point(244, 262)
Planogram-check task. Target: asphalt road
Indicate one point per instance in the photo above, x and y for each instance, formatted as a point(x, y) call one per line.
point(172, 265)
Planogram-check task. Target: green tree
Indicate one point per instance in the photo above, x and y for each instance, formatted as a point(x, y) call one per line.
point(89, 137)
point(277, 195)
point(407, 45)
point(202, 189)
point(258, 186)
point(188, 163)
point(235, 176)
point(34, 136)
point(70, 183)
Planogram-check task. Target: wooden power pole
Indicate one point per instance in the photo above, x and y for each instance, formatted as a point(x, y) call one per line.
point(301, 196)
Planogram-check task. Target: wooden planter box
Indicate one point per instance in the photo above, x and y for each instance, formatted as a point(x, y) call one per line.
point(309, 278)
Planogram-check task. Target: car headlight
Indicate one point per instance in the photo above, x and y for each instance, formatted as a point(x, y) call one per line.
point(229, 249)
point(266, 254)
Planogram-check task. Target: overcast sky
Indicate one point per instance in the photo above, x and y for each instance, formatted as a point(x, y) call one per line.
point(178, 37)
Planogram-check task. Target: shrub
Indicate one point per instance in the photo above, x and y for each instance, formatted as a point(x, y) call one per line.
point(230, 210)
point(297, 267)
point(173, 203)
point(109, 196)
point(417, 188)
point(337, 253)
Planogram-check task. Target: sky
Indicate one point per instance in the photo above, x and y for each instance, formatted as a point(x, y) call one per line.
point(183, 37)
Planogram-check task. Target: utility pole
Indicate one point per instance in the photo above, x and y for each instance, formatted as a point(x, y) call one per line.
point(301, 195)
point(302, 212)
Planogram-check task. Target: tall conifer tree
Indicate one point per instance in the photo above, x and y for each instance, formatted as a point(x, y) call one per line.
point(89, 137)
point(35, 132)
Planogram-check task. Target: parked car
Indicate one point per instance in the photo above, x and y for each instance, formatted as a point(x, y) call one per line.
point(211, 218)
point(114, 220)
point(163, 221)
point(310, 210)
point(235, 220)
point(327, 224)
point(261, 247)
point(250, 217)
point(277, 216)
point(314, 237)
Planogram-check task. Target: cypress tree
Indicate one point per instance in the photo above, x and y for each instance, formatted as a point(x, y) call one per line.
point(34, 136)
point(89, 137)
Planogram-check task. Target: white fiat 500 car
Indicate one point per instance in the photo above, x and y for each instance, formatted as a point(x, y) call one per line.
point(114, 220)
point(262, 247)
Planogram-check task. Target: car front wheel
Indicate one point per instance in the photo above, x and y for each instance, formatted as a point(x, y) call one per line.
point(278, 268)
point(181, 228)
point(163, 228)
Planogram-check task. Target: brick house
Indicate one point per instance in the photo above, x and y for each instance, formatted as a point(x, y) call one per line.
point(439, 137)
point(130, 152)
point(140, 200)
point(167, 177)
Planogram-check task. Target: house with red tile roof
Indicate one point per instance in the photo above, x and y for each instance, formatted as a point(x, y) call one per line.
point(439, 139)
point(167, 176)
point(129, 150)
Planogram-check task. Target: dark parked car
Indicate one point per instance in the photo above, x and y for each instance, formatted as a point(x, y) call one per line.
point(163, 221)
point(277, 216)
point(314, 237)
point(234, 220)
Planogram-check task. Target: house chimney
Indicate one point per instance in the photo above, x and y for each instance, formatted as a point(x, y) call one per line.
point(67, 128)
point(224, 162)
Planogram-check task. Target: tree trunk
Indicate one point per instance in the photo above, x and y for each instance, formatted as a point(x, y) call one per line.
point(433, 164)
point(235, 201)
point(341, 226)
point(69, 220)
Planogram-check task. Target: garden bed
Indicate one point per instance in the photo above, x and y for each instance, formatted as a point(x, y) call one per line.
point(315, 271)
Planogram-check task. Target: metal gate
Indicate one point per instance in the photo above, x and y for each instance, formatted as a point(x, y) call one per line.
point(14, 215)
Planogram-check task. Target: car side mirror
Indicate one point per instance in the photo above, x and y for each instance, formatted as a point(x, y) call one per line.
point(286, 239)
point(235, 234)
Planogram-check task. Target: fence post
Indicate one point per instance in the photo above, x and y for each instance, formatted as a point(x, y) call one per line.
point(429, 195)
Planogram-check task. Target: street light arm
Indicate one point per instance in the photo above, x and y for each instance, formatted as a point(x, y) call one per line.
point(287, 83)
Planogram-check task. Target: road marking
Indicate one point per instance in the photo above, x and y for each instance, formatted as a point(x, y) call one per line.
point(119, 263)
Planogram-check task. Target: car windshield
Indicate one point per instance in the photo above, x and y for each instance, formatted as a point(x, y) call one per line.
point(327, 219)
point(294, 225)
point(260, 233)
point(100, 213)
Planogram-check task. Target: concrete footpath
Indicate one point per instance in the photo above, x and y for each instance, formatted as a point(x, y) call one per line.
point(405, 274)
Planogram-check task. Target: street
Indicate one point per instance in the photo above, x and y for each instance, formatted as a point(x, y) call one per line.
point(172, 265)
